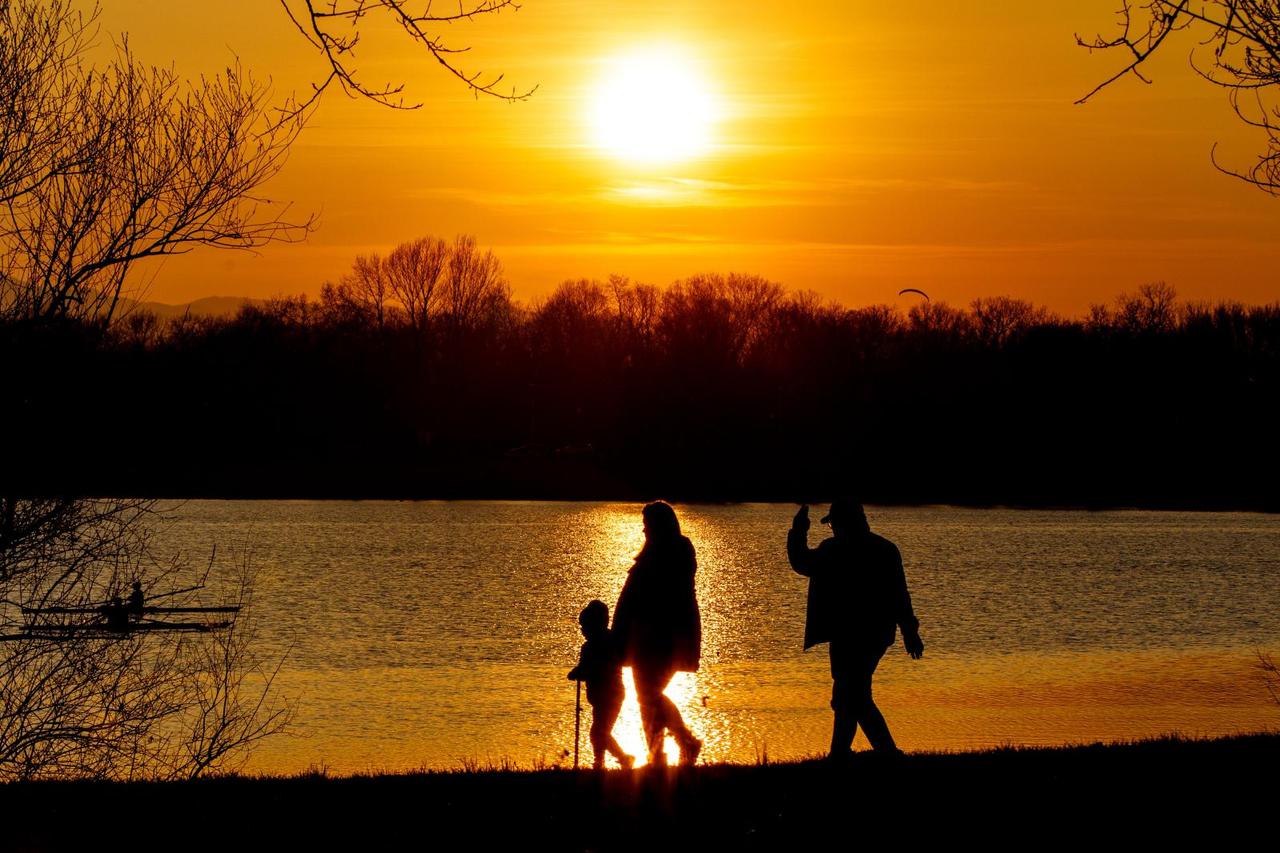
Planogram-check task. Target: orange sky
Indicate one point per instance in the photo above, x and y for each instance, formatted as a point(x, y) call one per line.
point(861, 149)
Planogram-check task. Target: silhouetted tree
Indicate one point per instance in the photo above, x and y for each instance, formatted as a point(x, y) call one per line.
point(424, 283)
point(939, 324)
point(104, 168)
point(414, 273)
point(474, 292)
point(607, 389)
point(637, 307)
point(1154, 308)
point(999, 319)
point(101, 168)
point(1270, 674)
point(1238, 49)
point(576, 315)
point(365, 290)
point(149, 705)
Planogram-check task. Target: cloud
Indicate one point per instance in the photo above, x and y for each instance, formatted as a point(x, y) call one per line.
point(725, 193)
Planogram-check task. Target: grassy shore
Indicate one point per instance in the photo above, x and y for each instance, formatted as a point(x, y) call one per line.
point(1221, 791)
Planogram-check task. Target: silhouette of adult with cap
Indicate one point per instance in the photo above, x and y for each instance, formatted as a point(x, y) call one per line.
point(858, 599)
point(657, 625)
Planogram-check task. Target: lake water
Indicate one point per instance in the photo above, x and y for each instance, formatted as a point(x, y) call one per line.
point(429, 633)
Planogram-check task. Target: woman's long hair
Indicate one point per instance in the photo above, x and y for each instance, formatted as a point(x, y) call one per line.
point(662, 526)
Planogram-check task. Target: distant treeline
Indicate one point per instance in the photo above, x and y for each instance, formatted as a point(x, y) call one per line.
point(417, 375)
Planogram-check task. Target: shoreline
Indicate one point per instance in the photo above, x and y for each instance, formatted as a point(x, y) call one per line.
point(691, 500)
point(1168, 787)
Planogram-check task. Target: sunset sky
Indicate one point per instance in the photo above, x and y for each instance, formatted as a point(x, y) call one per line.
point(849, 148)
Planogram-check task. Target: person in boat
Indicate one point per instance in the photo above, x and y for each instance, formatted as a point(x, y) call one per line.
point(136, 601)
point(116, 615)
point(858, 598)
point(659, 628)
point(600, 668)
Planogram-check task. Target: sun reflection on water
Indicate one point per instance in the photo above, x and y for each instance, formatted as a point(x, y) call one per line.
point(629, 731)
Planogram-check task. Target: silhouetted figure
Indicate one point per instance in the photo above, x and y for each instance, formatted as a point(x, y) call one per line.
point(659, 628)
point(600, 668)
point(857, 599)
point(136, 600)
point(116, 615)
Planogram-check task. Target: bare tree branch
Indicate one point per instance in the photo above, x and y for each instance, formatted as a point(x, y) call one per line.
point(121, 164)
point(333, 29)
point(1239, 51)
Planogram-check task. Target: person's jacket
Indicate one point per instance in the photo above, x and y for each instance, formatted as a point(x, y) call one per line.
point(857, 588)
point(600, 668)
point(656, 622)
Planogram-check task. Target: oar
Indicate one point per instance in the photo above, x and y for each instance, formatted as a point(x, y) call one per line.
point(161, 595)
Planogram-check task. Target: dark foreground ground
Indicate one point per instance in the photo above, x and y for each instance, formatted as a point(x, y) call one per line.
point(1223, 793)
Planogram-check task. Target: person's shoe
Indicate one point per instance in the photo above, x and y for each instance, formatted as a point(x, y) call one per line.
point(627, 761)
point(689, 753)
point(840, 758)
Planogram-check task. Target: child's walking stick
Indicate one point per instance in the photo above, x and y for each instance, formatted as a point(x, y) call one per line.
point(577, 722)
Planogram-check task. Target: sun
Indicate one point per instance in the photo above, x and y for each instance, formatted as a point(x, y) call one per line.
point(653, 106)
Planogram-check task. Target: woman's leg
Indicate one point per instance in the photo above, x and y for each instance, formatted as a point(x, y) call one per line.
point(675, 723)
point(649, 686)
point(663, 714)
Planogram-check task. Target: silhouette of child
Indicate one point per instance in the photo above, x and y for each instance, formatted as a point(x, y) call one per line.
point(600, 666)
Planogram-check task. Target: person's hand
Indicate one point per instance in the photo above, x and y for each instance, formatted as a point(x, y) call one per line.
point(914, 645)
point(801, 521)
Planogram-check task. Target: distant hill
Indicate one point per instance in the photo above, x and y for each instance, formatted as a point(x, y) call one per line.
point(210, 306)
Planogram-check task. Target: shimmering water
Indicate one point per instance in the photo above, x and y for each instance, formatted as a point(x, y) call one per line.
point(422, 633)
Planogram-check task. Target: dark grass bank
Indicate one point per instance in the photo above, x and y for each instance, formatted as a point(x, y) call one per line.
point(1221, 792)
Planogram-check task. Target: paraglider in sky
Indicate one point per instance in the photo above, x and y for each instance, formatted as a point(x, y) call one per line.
point(915, 290)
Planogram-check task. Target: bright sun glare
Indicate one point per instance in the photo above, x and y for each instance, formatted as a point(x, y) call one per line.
point(653, 106)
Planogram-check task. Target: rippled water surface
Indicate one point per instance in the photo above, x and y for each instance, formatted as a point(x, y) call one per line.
point(422, 633)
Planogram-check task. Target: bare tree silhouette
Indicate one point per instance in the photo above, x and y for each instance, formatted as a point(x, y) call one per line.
point(474, 292)
point(103, 168)
point(1270, 674)
point(998, 320)
point(159, 705)
point(1239, 50)
point(363, 292)
point(415, 271)
point(1153, 309)
point(427, 283)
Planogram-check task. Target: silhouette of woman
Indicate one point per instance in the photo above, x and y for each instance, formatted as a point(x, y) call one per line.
point(657, 625)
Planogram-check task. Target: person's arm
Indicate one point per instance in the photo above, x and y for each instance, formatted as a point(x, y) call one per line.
point(576, 673)
point(906, 617)
point(802, 559)
point(621, 628)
